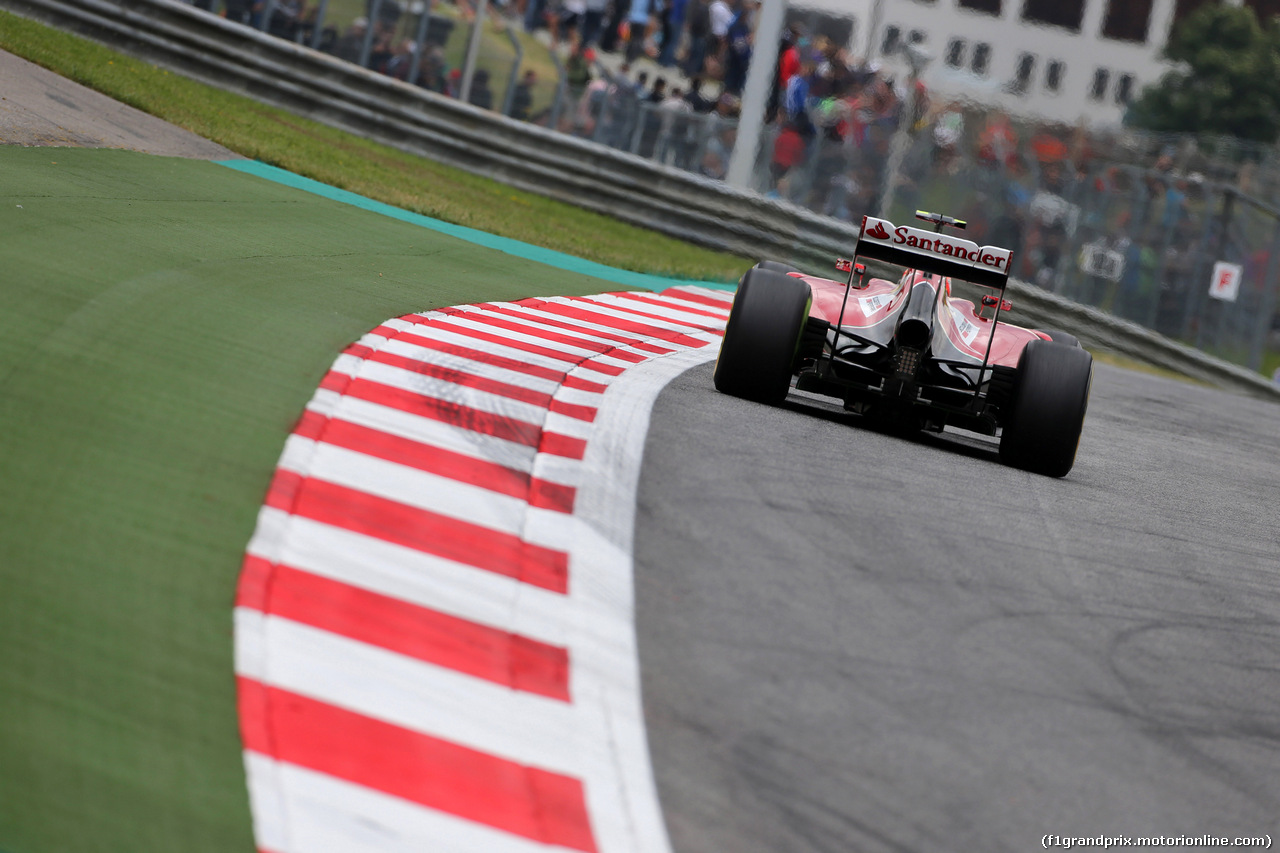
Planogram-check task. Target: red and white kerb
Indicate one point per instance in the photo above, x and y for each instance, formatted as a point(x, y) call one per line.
point(435, 645)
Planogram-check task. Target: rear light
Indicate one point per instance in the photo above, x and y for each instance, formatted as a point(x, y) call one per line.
point(907, 362)
point(939, 219)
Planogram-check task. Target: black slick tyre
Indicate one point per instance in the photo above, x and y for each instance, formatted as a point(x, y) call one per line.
point(1062, 338)
point(1047, 407)
point(776, 266)
point(762, 337)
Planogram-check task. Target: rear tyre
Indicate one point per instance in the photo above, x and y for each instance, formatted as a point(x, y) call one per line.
point(776, 266)
point(1062, 338)
point(1047, 408)
point(762, 338)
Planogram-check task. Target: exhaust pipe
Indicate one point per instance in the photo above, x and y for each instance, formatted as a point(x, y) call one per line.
point(915, 324)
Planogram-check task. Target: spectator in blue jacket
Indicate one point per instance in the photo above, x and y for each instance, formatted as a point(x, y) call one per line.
point(672, 31)
point(638, 23)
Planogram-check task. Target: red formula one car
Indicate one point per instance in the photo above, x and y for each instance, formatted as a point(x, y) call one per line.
point(912, 337)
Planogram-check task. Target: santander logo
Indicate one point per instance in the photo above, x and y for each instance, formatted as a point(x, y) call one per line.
point(933, 244)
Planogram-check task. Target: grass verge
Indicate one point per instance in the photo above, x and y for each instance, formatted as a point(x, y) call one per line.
point(165, 322)
point(343, 160)
point(1117, 360)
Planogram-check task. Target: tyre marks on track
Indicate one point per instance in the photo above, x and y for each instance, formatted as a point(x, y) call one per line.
point(435, 645)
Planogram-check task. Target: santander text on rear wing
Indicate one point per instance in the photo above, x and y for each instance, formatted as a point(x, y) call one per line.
point(934, 252)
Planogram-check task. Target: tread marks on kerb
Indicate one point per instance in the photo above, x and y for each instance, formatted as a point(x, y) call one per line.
point(435, 647)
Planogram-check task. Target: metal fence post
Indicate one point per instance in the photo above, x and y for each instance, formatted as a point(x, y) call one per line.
point(1198, 286)
point(366, 49)
point(424, 23)
point(608, 110)
point(1194, 291)
point(473, 51)
point(318, 27)
point(1270, 286)
point(1077, 196)
point(700, 153)
point(509, 97)
point(641, 115)
point(268, 10)
point(562, 88)
point(1166, 242)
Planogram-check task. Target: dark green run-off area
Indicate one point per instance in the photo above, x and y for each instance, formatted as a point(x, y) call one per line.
point(162, 325)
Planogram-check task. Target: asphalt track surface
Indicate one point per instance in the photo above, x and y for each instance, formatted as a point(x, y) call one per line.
point(39, 108)
point(854, 641)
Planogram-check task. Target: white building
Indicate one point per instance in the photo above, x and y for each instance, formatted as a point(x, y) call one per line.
point(1071, 61)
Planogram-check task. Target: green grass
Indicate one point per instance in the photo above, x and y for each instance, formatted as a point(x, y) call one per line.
point(352, 163)
point(1270, 362)
point(164, 323)
point(1117, 360)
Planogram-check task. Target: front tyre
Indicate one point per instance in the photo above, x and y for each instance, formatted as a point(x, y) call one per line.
point(762, 336)
point(1047, 408)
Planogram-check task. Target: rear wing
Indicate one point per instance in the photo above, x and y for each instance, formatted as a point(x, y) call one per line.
point(933, 252)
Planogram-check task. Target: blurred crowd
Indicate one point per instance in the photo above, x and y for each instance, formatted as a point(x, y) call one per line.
point(684, 113)
point(1109, 219)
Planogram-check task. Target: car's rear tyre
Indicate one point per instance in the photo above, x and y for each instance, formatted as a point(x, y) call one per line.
point(1062, 338)
point(762, 337)
point(1047, 407)
point(776, 266)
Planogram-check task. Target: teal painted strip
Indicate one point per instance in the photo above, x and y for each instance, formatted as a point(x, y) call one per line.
point(527, 251)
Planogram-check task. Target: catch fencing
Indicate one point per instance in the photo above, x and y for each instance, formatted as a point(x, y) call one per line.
point(1101, 228)
point(1190, 257)
point(690, 204)
point(1194, 259)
